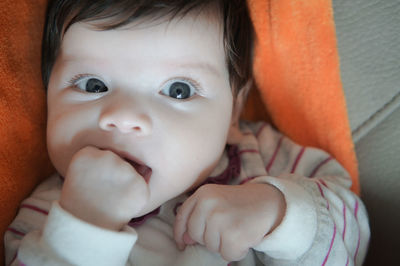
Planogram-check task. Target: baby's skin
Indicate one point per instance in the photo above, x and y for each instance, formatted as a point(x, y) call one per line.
point(140, 115)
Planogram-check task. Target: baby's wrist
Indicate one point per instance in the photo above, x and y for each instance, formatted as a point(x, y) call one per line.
point(89, 216)
point(280, 206)
point(273, 201)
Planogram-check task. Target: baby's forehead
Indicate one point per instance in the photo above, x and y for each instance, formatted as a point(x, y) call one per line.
point(209, 16)
point(192, 42)
point(112, 17)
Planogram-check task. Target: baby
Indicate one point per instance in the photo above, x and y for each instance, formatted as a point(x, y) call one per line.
point(154, 168)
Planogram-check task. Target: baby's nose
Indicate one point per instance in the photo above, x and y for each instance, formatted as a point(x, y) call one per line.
point(125, 120)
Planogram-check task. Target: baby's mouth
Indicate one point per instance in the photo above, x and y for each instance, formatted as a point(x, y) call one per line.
point(142, 169)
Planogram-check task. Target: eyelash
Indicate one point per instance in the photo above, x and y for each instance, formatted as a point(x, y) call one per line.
point(196, 85)
point(72, 82)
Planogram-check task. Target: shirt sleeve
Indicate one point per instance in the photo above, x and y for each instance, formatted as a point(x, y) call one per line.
point(324, 223)
point(45, 234)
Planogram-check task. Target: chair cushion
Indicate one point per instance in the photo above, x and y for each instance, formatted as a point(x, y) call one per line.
point(368, 38)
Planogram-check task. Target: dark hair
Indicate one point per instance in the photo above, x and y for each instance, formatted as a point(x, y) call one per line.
point(238, 33)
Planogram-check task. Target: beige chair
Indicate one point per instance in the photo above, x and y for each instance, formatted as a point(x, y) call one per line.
point(368, 33)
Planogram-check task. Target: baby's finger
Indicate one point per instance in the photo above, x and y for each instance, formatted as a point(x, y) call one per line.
point(232, 251)
point(196, 223)
point(182, 217)
point(212, 238)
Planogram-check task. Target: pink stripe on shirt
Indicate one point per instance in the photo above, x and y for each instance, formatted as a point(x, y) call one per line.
point(331, 245)
point(323, 183)
point(260, 130)
point(315, 170)
point(323, 195)
point(296, 162)
point(334, 226)
point(248, 151)
point(34, 208)
point(15, 231)
point(359, 233)
point(271, 161)
point(320, 190)
point(344, 221)
point(344, 210)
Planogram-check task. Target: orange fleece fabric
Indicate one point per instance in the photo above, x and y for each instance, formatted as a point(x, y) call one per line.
point(296, 69)
point(23, 156)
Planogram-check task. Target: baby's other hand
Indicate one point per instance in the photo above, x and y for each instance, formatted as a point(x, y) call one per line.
point(229, 219)
point(103, 189)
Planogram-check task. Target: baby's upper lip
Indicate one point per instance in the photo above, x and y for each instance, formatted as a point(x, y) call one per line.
point(127, 156)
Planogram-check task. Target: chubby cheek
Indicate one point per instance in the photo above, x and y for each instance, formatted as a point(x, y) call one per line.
point(195, 148)
point(64, 127)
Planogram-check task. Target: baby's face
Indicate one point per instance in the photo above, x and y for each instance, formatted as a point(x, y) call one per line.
point(158, 93)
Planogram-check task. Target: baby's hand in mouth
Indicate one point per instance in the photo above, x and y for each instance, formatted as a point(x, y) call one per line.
point(104, 189)
point(141, 168)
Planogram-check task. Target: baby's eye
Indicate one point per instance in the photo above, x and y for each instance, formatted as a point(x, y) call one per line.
point(179, 90)
point(90, 85)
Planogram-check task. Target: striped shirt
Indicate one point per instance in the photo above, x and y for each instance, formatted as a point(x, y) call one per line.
point(324, 223)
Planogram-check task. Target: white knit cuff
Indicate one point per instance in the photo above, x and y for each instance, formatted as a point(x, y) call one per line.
point(81, 243)
point(295, 234)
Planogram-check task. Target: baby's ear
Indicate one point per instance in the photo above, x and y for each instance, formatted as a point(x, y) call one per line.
point(239, 101)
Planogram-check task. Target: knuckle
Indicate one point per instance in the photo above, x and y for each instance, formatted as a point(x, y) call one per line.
point(212, 245)
point(234, 237)
point(195, 233)
point(179, 219)
point(234, 253)
point(232, 243)
point(206, 206)
point(206, 190)
point(216, 220)
point(220, 216)
point(208, 198)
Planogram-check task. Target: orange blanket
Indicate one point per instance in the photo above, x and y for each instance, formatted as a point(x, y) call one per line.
point(296, 70)
point(23, 159)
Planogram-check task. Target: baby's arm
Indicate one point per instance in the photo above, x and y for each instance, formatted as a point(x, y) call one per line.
point(31, 216)
point(103, 189)
point(324, 222)
point(229, 219)
point(70, 234)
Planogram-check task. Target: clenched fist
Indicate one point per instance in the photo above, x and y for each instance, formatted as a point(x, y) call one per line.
point(103, 189)
point(229, 219)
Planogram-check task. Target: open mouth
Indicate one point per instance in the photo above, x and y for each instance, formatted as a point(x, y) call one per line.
point(142, 169)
